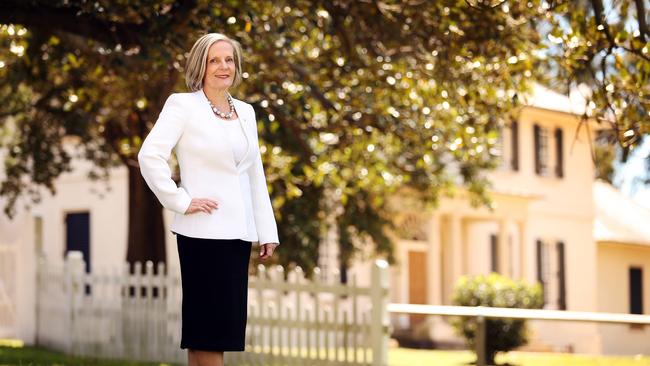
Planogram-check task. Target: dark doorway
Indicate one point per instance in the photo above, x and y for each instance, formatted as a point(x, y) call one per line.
point(77, 235)
point(636, 290)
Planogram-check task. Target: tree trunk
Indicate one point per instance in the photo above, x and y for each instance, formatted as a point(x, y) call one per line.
point(146, 241)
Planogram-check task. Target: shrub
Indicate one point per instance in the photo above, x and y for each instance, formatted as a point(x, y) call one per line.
point(495, 290)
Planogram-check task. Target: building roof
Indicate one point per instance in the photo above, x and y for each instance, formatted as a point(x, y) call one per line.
point(618, 218)
point(545, 98)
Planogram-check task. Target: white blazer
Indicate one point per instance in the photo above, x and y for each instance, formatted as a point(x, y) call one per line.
point(208, 170)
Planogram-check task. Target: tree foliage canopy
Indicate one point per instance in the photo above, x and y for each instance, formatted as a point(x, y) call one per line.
point(354, 99)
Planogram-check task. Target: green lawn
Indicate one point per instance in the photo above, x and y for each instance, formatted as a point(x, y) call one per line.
point(29, 356)
point(413, 357)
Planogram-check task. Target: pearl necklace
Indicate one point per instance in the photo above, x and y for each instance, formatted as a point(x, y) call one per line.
point(224, 114)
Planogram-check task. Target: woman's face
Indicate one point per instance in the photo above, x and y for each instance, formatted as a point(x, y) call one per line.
point(220, 67)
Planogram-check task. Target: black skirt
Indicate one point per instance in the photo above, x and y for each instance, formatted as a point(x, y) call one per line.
point(214, 278)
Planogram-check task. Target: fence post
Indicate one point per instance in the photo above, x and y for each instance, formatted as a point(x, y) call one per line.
point(480, 341)
point(74, 270)
point(379, 324)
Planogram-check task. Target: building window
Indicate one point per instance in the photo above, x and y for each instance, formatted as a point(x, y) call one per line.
point(540, 140)
point(636, 290)
point(561, 276)
point(514, 145)
point(559, 153)
point(551, 272)
point(507, 147)
point(494, 253)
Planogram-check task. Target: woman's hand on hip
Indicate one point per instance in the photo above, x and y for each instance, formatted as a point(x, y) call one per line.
point(266, 250)
point(202, 205)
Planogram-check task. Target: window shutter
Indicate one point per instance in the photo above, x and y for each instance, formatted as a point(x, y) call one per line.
point(559, 153)
point(538, 148)
point(540, 266)
point(561, 303)
point(514, 129)
point(494, 253)
point(636, 290)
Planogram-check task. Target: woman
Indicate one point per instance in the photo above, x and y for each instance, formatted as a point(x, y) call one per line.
point(222, 204)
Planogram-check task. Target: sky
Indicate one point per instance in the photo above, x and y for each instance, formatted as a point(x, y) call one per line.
point(634, 169)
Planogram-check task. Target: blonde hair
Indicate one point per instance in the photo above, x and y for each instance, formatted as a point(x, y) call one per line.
point(195, 66)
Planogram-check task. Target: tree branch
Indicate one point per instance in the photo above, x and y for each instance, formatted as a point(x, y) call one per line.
point(480, 4)
point(287, 122)
point(641, 14)
point(601, 21)
point(313, 88)
point(181, 11)
point(70, 19)
point(111, 134)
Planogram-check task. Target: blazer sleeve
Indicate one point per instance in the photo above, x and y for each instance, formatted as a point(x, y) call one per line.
point(267, 230)
point(155, 152)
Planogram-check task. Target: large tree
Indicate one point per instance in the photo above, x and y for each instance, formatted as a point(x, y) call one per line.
point(605, 46)
point(355, 99)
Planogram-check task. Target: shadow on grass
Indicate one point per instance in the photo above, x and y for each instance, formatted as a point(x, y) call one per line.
point(36, 356)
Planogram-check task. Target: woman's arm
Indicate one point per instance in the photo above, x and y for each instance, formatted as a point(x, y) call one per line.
point(155, 152)
point(267, 230)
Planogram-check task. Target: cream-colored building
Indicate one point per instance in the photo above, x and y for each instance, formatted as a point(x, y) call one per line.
point(541, 228)
point(622, 230)
point(546, 226)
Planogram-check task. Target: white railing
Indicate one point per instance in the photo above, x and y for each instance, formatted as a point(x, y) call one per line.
point(291, 319)
point(481, 313)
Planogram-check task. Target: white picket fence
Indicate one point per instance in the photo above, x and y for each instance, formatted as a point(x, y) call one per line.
point(291, 320)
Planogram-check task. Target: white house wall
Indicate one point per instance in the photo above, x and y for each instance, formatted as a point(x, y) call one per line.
point(108, 222)
point(108, 215)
